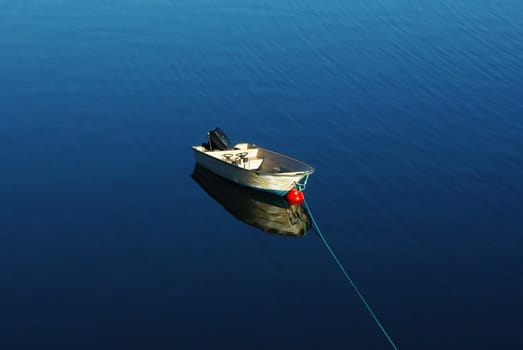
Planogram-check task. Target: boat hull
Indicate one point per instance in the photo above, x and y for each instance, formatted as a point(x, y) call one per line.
point(277, 183)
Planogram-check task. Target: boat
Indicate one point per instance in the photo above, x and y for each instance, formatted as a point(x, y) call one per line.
point(250, 165)
point(267, 212)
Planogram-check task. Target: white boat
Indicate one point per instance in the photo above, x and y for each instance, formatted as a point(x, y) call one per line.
point(252, 166)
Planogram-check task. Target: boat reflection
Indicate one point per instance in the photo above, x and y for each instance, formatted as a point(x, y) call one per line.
point(265, 211)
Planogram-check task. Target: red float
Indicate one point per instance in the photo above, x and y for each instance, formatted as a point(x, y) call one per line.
point(295, 197)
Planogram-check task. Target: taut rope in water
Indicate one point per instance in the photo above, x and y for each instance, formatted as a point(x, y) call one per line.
point(347, 276)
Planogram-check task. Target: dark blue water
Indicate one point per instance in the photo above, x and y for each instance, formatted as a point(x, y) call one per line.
point(411, 112)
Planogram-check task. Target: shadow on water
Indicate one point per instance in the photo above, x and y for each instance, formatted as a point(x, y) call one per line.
point(265, 211)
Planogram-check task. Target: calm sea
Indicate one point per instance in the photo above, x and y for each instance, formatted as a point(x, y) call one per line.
point(411, 112)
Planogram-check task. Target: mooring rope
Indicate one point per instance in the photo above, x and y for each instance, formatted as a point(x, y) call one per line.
point(347, 276)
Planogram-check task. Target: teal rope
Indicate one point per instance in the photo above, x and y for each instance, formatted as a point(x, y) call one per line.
point(322, 237)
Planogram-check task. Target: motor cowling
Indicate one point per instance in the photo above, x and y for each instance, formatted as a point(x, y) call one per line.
point(218, 140)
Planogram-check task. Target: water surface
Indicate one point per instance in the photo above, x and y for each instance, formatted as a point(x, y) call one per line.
point(410, 112)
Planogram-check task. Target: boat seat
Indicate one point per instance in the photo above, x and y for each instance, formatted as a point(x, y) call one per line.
point(255, 164)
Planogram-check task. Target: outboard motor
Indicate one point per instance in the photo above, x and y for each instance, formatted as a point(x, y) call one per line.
point(218, 141)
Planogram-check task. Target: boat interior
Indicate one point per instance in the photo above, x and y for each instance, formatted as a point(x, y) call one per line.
point(243, 155)
point(250, 157)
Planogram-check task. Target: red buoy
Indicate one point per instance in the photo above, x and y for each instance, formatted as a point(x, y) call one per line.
point(295, 197)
